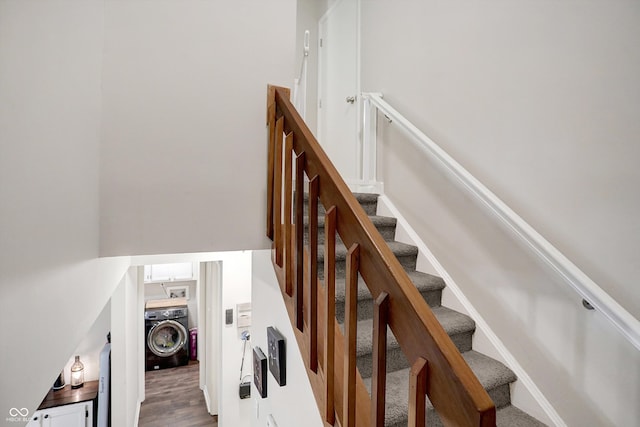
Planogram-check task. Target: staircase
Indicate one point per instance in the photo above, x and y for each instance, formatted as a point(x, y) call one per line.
point(493, 375)
point(330, 264)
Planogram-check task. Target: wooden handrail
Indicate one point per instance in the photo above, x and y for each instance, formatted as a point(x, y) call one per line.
point(438, 367)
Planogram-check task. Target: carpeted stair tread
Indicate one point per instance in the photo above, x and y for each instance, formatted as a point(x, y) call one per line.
point(364, 198)
point(368, 201)
point(429, 286)
point(510, 416)
point(405, 254)
point(383, 221)
point(377, 220)
point(385, 225)
point(399, 250)
point(452, 321)
point(360, 197)
point(491, 374)
point(424, 282)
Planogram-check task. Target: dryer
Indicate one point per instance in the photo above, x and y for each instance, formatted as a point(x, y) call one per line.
point(167, 336)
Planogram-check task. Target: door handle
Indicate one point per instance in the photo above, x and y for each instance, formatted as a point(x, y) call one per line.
point(350, 99)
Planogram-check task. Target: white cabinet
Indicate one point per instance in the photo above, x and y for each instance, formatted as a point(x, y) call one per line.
point(72, 415)
point(168, 272)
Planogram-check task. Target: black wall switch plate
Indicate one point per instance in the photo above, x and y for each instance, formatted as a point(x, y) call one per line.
point(228, 316)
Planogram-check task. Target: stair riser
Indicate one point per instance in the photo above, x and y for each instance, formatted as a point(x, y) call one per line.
point(501, 395)
point(462, 341)
point(395, 361)
point(365, 306)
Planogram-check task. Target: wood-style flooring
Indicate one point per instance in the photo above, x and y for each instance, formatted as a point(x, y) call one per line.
point(173, 399)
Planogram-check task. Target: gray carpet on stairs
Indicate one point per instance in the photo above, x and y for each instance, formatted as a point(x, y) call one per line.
point(494, 376)
point(406, 254)
point(429, 286)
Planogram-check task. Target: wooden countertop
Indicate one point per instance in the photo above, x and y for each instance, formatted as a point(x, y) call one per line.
point(166, 303)
point(68, 395)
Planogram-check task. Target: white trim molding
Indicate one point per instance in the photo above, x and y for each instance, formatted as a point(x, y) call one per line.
point(373, 187)
point(136, 420)
point(406, 234)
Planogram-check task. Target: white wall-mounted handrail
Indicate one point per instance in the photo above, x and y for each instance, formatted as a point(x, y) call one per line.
point(300, 83)
point(626, 324)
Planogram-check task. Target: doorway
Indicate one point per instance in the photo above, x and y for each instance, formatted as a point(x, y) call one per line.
point(192, 287)
point(224, 283)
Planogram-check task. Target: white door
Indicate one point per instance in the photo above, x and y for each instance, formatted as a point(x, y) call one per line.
point(338, 87)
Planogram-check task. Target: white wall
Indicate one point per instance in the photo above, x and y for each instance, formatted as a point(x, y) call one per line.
point(184, 111)
point(295, 401)
point(114, 118)
point(50, 106)
point(236, 289)
point(538, 100)
point(91, 346)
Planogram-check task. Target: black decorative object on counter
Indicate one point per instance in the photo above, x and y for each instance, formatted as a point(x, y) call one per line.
point(59, 384)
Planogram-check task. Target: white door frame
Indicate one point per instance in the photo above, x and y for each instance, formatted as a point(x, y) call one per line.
point(210, 307)
point(354, 185)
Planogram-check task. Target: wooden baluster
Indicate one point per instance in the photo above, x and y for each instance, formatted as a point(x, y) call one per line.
point(300, 165)
point(271, 121)
point(278, 192)
point(288, 193)
point(330, 310)
point(418, 393)
point(314, 189)
point(379, 378)
point(350, 334)
point(313, 284)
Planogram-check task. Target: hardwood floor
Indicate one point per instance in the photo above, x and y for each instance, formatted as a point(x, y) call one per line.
point(174, 399)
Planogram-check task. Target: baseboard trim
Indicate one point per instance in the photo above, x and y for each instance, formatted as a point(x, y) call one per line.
point(207, 401)
point(206, 398)
point(137, 416)
point(373, 187)
point(543, 409)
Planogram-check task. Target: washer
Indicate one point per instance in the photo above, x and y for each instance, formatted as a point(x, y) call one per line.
point(167, 336)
